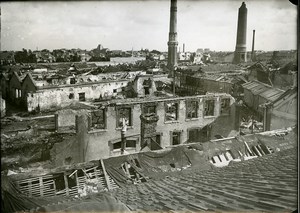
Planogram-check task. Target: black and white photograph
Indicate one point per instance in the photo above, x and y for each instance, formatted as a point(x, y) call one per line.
point(149, 106)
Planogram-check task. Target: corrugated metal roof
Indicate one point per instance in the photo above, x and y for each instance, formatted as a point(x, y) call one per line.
point(263, 90)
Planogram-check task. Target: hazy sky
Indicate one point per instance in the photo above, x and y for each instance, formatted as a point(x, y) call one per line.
point(145, 24)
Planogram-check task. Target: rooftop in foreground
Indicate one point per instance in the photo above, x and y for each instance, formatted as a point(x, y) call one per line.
point(267, 183)
point(260, 175)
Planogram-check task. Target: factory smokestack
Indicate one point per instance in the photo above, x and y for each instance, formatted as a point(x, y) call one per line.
point(253, 53)
point(240, 54)
point(183, 47)
point(172, 43)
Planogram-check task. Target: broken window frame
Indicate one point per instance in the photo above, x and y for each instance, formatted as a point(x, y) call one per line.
point(225, 110)
point(190, 109)
point(209, 111)
point(128, 118)
point(94, 125)
point(167, 109)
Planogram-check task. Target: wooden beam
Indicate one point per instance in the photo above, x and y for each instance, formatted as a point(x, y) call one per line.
point(41, 186)
point(66, 184)
point(105, 175)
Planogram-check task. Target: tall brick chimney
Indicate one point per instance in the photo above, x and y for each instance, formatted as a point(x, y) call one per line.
point(240, 54)
point(172, 43)
point(253, 42)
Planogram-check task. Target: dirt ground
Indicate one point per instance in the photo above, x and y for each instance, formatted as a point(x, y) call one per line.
point(26, 141)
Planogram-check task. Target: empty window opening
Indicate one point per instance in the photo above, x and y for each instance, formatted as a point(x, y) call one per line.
point(194, 135)
point(117, 145)
point(176, 138)
point(126, 114)
point(199, 135)
point(147, 85)
point(81, 96)
point(149, 109)
point(171, 111)
point(115, 90)
point(129, 144)
point(191, 109)
point(225, 106)
point(209, 107)
point(98, 119)
point(152, 142)
point(72, 81)
point(147, 91)
point(71, 96)
point(71, 181)
point(59, 182)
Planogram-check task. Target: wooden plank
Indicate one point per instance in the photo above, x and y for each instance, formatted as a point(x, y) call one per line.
point(105, 175)
point(41, 186)
point(29, 189)
point(66, 184)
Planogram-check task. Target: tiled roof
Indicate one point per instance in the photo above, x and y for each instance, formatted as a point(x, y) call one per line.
point(267, 183)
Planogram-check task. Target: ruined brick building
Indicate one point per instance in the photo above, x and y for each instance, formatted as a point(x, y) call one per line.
point(152, 123)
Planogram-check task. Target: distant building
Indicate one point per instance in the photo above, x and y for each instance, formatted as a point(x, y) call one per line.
point(144, 85)
point(7, 57)
point(55, 91)
point(260, 72)
point(44, 57)
point(128, 60)
point(198, 57)
point(85, 56)
point(197, 83)
point(184, 56)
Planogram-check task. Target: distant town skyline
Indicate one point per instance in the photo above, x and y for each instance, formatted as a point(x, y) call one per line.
point(145, 24)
